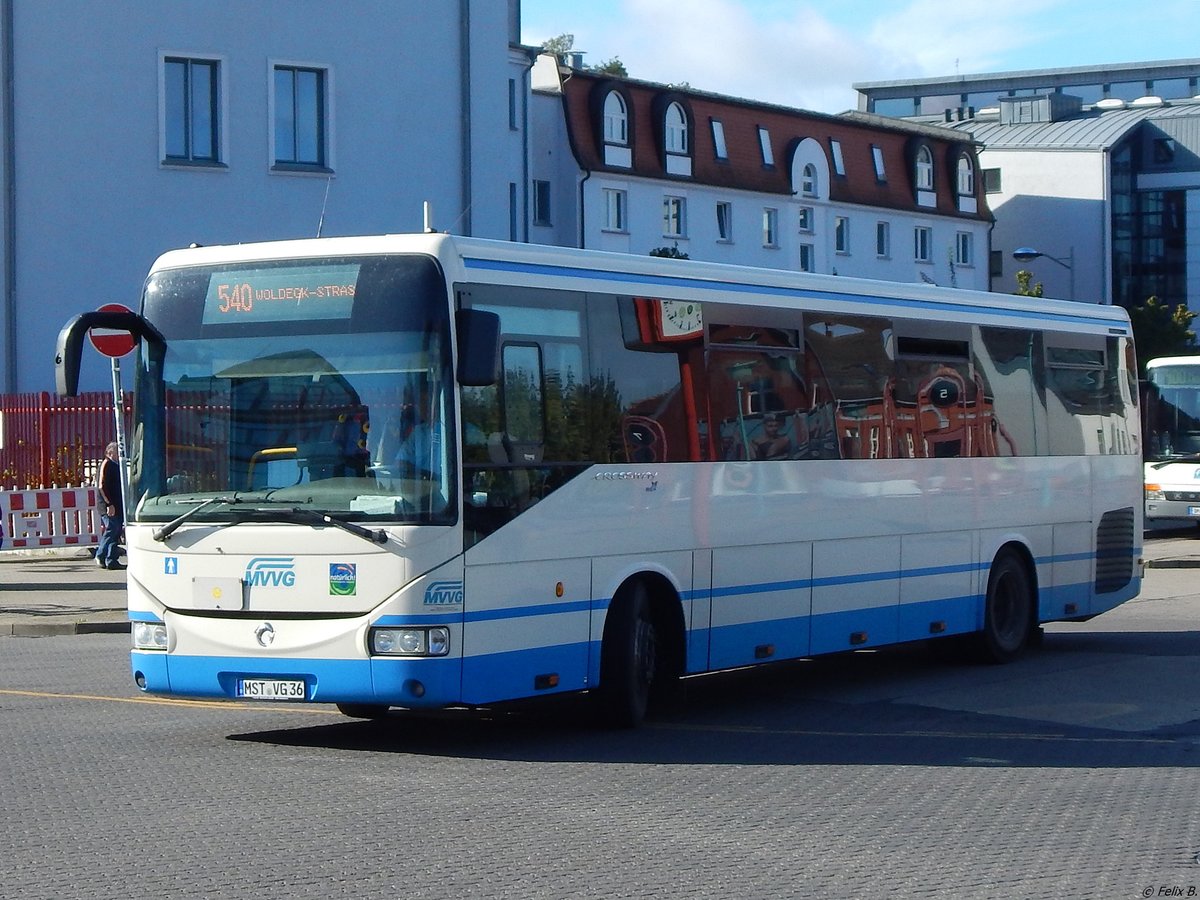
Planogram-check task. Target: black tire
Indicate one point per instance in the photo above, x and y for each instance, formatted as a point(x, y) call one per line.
point(629, 659)
point(1008, 616)
point(363, 710)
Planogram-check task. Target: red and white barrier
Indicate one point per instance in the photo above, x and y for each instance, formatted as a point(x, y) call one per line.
point(55, 517)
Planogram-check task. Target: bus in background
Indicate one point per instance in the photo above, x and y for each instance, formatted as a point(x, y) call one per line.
point(1171, 430)
point(427, 471)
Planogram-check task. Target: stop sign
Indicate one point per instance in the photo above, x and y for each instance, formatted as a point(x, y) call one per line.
point(109, 342)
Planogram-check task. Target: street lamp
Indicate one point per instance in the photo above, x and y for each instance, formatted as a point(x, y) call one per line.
point(1027, 254)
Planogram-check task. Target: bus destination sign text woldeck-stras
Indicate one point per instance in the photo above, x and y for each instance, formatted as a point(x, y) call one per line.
point(281, 294)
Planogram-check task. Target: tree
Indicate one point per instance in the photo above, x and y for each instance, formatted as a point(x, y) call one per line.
point(1161, 330)
point(612, 66)
point(560, 46)
point(563, 44)
point(1026, 286)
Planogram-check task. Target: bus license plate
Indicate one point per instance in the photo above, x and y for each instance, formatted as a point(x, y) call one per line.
point(1194, 510)
point(270, 689)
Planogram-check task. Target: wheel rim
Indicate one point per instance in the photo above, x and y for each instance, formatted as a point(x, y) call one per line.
point(644, 653)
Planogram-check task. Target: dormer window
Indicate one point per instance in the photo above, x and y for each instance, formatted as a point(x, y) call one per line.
point(616, 131)
point(923, 176)
point(676, 129)
point(966, 185)
point(675, 140)
point(924, 169)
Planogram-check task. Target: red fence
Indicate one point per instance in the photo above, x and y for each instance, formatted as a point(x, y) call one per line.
point(47, 440)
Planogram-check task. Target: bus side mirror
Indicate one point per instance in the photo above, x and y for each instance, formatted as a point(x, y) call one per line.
point(70, 343)
point(478, 334)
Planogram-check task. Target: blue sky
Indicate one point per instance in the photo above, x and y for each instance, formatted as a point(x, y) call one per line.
point(807, 54)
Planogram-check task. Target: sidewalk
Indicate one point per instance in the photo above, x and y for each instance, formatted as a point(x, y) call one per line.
point(57, 592)
point(62, 591)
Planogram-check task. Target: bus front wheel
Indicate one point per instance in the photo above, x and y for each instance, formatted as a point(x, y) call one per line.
point(628, 658)
point(1008, 616)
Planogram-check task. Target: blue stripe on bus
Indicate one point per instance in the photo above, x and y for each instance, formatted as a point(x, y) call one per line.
point(1115, 327)
point(376, 680)
point(492, 677)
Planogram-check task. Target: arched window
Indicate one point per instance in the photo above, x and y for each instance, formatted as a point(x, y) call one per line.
point(675, 129)
point(924, 169)
point(966, 176)
point(808, 181)
point(616, 119)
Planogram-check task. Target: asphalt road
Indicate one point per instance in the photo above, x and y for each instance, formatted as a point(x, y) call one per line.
point(1071, 773)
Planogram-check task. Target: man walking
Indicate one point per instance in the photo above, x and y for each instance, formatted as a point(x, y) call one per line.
point(109, 480)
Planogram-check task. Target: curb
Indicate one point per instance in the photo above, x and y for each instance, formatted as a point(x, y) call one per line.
point(61, 629)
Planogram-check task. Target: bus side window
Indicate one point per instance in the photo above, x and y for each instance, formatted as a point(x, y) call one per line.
point(524, 424)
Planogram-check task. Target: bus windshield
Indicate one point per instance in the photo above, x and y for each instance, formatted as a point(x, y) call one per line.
point(342, 409)
point(1173, 413)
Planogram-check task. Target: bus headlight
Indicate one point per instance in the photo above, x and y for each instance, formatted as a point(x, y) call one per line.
point(1154, 492)
point(149, 636)
point(410, 641)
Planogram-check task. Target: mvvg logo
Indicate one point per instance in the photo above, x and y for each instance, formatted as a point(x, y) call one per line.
point(444, 593)
point(271, 571)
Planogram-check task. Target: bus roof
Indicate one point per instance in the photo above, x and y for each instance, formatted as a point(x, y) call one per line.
point(535, 265)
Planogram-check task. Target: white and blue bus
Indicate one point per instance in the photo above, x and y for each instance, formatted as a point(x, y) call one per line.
point(1171, 427)
point(423, 471)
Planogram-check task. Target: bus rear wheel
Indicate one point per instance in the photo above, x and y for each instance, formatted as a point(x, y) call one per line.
point(628, 659)
point(363, 710)
point(1008, 616)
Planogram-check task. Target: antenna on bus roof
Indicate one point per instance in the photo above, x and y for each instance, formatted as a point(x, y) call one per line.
point(324, 203)
point(428, 217)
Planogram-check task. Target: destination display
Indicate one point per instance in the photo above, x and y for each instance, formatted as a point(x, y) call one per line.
point(281, 294)
point(1175, 376)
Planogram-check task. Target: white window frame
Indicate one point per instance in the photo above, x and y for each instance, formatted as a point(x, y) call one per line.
point(328, 119)
point(809, 181)
point(720, 150)
point(764, 146)
point(807, 257)
point(880, 168)
point(923, 244)
point(806, 217)
point(924, 169)
point(616, 204)
point(966, 176)
point(675, 129)
point(964, 249)
point(841, 235)
point(616, 119)
point(839, 164)
point(724, 221)
point(674, 216)
point(770, 227)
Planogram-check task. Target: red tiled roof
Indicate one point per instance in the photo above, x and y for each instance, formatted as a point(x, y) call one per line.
point(583, 94)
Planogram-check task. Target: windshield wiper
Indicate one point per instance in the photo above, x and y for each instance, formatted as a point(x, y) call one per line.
point(375, 536)
point(161, 534)
point(1186, 457)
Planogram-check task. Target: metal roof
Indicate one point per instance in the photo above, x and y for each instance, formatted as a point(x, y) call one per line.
point(1093, 129)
